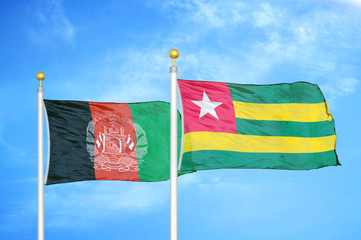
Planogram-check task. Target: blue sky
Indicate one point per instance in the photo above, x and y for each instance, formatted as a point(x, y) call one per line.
point(118, 51)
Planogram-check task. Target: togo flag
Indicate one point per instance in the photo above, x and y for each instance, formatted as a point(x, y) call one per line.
point(281, 126)
point(108, 141)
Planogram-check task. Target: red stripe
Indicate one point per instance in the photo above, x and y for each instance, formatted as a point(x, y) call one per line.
point(216, 92)
point(115, 155)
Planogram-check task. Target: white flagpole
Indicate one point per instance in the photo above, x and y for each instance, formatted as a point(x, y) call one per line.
point(173, 148)
point(40, 76)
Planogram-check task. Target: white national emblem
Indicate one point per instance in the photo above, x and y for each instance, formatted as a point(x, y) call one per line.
point(207, 106)
point(114, 148)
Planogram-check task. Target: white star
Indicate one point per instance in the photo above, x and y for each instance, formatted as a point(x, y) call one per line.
point(207, 106)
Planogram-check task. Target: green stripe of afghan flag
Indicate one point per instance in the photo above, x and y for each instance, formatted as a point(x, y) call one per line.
point(154, 117)
point(281, 126)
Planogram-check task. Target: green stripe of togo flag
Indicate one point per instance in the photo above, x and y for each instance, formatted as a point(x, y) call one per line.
point(152, 125)
point(285, 128)
point(215, 159)
point(299, 92)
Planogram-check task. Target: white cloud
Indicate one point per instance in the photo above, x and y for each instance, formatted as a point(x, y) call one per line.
point(218, 15)
point(19, 219)
point(214, 14)
point(343, 87)
point(305, 41)
point(13, 150)
point(131, 75)
point(348, 85)
point(223, 196)
point(352, 2)
point(311, 41)
point(338, 88)
point(122, 75)
point(52, 24)
point(209, 66)
point(268, 16)
point(188, 179)
point(304, 34)
point(86, 203)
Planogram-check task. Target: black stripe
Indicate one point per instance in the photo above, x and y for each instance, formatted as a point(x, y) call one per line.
point(70, 160)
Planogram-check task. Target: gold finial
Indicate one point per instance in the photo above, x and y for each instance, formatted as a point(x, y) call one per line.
point(173, 54)
point(40, 76)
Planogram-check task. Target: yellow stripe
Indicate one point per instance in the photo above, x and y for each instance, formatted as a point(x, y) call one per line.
point(195, 141)
point(297, 112)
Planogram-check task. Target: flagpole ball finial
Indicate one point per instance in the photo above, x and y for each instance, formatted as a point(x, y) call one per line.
point(40, 76)
point(174, 55)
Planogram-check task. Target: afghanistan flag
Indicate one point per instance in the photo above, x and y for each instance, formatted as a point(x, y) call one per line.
point(282, 126)
point(108, 141)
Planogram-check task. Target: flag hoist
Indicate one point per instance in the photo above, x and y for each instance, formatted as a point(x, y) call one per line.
point(40, 76)
point(173, 148)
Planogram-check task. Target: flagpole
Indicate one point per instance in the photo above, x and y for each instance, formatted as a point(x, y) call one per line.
point(40, 76)
point(173, 148)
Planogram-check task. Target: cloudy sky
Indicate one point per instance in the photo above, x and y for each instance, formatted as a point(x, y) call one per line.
point(117, 51)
